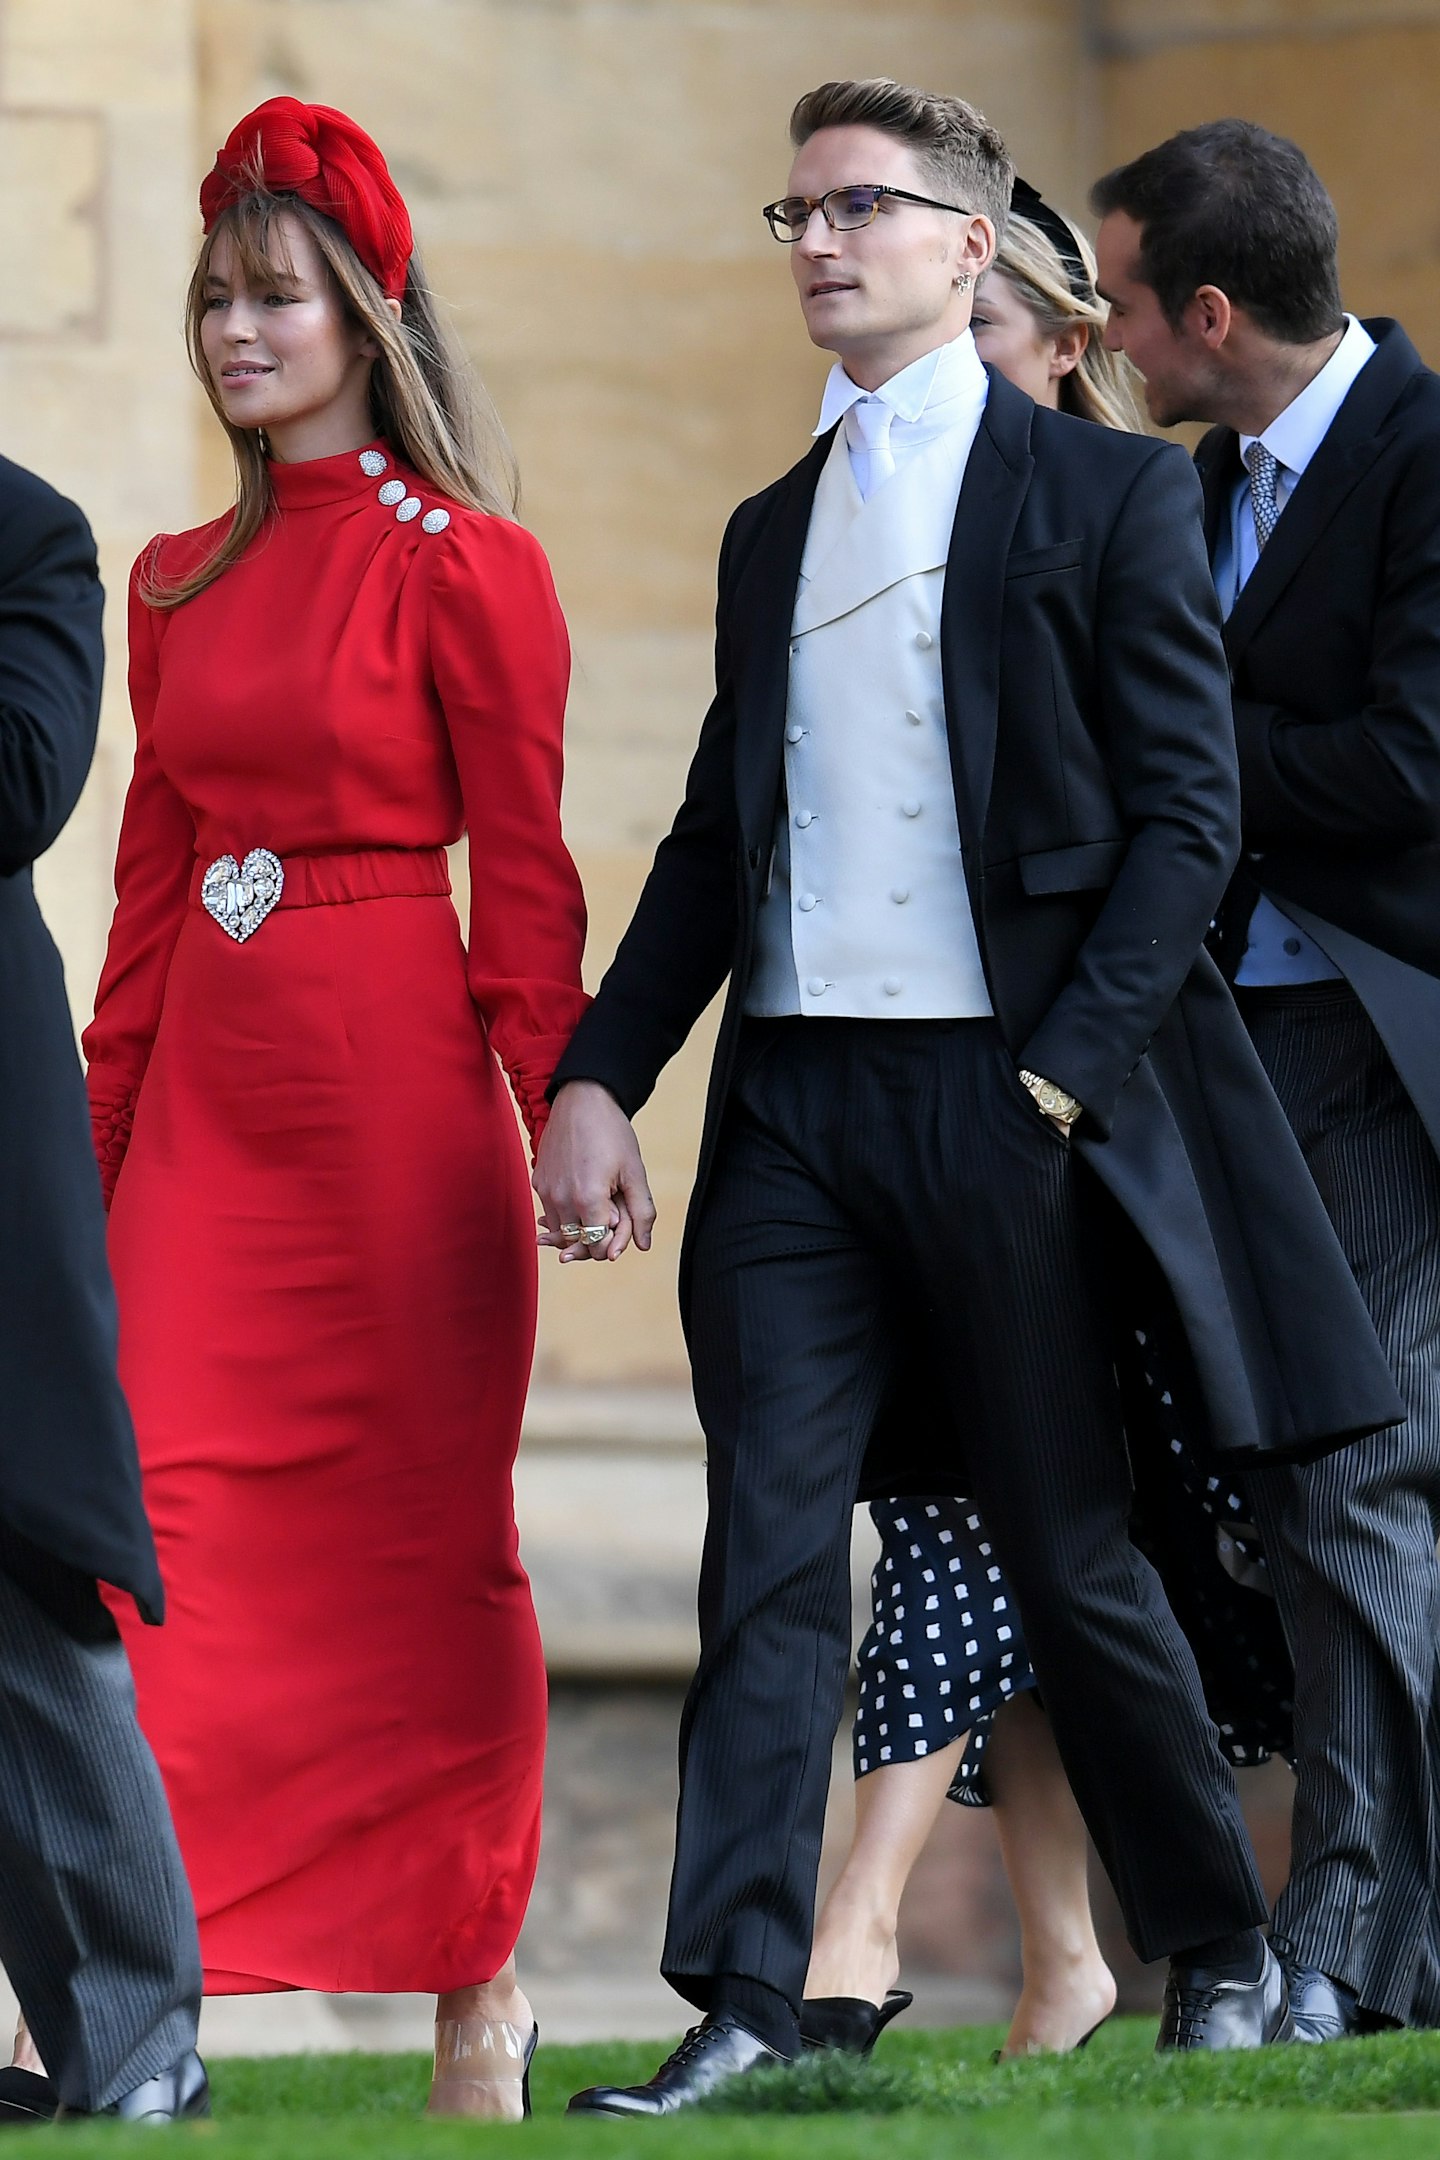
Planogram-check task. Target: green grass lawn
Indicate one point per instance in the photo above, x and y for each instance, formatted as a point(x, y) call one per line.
point(924, 2094)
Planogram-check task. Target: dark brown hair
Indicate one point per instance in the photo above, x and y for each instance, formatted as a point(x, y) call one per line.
point(1231, 205)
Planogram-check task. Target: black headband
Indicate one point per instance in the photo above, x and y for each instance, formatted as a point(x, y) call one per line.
point(1027, 202)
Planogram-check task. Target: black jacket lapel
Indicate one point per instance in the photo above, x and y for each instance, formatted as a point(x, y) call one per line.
point(761, 609)
point(1349, 449)
point(991, 494)
point(1220, 469)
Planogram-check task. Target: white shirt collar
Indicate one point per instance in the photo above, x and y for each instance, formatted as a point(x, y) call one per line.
point(937, 378)
point(1294, 436)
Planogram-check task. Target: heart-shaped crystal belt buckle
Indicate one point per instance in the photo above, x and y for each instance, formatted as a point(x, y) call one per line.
point(241, 895)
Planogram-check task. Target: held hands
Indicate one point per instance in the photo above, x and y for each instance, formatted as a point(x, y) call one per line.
point(589, 1177)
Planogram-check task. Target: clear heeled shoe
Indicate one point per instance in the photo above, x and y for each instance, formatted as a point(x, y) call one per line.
point(482, 2069)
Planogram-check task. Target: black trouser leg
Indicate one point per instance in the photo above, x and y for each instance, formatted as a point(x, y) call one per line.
point(97, 1932)
point(1019, 1336)
point(1351, 1538)
point(790, 1360)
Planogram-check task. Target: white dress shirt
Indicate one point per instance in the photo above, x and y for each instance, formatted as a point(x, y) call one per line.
point(943, 390)
point(867, 913)
point(1277, 950)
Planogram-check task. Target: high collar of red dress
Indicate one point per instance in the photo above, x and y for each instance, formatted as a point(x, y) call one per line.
point(318, 481)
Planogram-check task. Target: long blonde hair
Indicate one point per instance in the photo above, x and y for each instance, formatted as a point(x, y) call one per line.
point(1101, 386)
point(423, 398)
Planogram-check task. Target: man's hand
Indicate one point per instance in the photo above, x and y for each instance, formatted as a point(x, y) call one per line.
point(588, 1175)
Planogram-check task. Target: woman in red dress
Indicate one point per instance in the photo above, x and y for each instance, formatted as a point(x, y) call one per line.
point(321, 1231)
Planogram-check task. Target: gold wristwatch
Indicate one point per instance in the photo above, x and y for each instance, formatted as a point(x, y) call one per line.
point(1052, 1100)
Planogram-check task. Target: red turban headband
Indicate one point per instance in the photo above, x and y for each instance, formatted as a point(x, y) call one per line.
point(323, 157)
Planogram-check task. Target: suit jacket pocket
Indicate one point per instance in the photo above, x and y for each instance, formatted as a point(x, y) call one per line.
point(1029, 562)
point(1072, 869)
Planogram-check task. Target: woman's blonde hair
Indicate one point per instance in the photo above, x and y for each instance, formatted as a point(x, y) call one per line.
point(1101, 386)
point(423, 398)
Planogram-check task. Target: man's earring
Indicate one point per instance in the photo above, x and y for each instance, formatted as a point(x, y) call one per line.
point(964, 281)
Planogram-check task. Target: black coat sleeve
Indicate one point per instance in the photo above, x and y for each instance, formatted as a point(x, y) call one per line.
point(681, 941)
point(1370, 777)
point(1170, 746)
point(51, 664)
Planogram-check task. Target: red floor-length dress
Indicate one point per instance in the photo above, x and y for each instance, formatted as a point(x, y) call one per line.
point(321, 1231)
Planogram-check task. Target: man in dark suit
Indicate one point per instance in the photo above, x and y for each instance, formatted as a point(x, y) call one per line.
point(97, 1932)
point(960, 814)
point(1322, 508)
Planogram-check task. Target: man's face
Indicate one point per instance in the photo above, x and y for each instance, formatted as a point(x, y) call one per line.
point(1177, 366)
point(892, 281)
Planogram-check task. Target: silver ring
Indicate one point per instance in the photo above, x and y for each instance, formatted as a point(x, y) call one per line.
point(570, 1230)
point(594, 1233)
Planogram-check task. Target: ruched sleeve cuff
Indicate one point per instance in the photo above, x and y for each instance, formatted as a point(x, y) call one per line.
point(530, 1073)
point(112, 1114)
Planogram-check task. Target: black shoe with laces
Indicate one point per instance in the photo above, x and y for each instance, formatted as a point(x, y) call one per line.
point(1205, 2009)
point(1322, 2008)
point(711, 2053)
point(179, 2094)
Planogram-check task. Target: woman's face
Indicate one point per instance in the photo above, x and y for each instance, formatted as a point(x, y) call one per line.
point(1009, 338)
point(282, 353)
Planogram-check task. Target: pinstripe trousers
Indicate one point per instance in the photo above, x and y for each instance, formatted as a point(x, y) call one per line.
point(97, 1930)
point(876, 1179)
point(1351, 1538)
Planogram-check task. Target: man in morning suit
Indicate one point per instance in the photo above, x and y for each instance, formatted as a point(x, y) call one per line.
point(960, 813)
point(97, 1931)
point(1322, 507)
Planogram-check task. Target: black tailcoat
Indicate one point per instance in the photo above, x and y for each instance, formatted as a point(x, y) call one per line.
point(1334, 647)
point(1095, 784)
point(69, 1478)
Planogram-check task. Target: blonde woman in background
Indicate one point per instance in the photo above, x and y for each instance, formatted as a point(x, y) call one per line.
point(944, 1678)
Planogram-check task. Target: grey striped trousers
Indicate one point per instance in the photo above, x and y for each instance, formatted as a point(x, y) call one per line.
point(97, 1930)
point(1351, 1539)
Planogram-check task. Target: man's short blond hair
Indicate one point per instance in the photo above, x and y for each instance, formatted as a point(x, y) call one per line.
point(964, 156)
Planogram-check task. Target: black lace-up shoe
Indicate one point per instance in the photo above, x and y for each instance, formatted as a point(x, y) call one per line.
point(1203, 2009)
point(26, 2097)
point(1322, 2008)
point(711, 2053)
point(179, 2094)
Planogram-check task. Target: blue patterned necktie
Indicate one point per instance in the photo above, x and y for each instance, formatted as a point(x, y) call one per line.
point(1264, 468)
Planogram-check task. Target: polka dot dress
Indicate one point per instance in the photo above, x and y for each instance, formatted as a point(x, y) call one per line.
point(946, 1647)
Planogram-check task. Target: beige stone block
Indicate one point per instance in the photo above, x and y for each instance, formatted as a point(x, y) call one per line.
point(50, 241)
point(560, 123)
point(96, 52)
point(1362, 108)
point(636, 704)
point(1140, 26)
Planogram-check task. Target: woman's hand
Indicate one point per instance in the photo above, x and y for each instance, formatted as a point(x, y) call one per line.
point(589, 1177)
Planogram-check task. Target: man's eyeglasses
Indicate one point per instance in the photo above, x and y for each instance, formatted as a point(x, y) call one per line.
point(845, 209)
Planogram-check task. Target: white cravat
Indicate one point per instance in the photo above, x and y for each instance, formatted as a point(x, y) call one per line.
point(867, 436)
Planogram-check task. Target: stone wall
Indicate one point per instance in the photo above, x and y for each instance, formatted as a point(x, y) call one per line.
point(586, 177)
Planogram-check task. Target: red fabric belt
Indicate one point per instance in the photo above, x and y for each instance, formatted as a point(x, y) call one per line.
point(366, 874)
